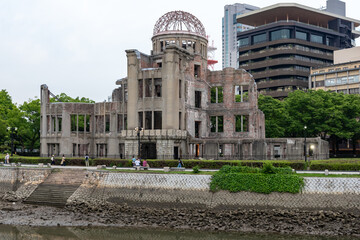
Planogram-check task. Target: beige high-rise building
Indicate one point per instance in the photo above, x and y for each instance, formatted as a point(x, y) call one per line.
point(343, 76)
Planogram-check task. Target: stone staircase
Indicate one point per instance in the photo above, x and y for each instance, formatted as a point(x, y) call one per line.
point(57, 188)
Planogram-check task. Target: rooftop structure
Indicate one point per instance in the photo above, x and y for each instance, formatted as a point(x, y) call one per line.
point(288, 40)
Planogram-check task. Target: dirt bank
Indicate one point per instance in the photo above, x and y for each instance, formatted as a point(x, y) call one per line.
point(241, 220)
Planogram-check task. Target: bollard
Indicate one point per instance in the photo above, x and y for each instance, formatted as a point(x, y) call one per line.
point(114, 167)
point(48, 165)
point(326, 172)
point(166, 169)
point(41, 165)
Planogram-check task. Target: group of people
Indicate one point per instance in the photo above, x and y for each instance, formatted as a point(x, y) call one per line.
point(136, 162)
point(62, 163)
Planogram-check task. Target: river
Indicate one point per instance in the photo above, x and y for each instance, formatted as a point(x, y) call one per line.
point(9, 232)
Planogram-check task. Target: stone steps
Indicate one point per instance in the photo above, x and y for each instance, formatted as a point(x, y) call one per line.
point(57, 188)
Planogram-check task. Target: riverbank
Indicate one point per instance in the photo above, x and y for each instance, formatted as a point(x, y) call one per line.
point(328, 223)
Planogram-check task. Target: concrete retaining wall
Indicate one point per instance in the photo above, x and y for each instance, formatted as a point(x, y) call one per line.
point(176, 190)
point(18, 183)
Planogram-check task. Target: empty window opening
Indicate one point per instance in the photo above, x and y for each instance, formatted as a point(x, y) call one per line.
point(73, 119)
point(180, 120)
point(196, 70)
point(157, 83)
point(217, 123)
point(241, 93)
point(180, 89)
point(216, 95)
point(148, 86)
point(241, 123)
point(101, 150)
point(157, 120)
point(87, 123)
point(81, 123)
point(197, 128)
point(277, 151)
point(148, 120)
point(107, 123)
point(140, 120)
point(120, 125)
point(59, 118)
point(140, 88)
point(198, 99)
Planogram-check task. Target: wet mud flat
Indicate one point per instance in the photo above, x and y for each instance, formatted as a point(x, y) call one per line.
point(301, 222)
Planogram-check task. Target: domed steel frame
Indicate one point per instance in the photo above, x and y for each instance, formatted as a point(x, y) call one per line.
point(179, 22)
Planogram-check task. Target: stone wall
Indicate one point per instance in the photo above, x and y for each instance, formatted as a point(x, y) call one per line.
point(18, 183)
point(174, 191)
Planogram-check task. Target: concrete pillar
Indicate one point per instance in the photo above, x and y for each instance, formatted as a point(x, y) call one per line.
point(171, 77)
point(133, 66)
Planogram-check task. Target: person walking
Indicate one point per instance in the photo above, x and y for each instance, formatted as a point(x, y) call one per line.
point(63, 160)
point(180, 163)
point(86, 160)
point(52, 160)
point(7, 159)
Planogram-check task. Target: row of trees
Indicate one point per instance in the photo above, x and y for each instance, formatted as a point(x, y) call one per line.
point(328, 115)
point(26, 119)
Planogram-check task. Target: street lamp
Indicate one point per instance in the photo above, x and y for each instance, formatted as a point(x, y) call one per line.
point(12, 131)
point(305, 144)
point(138, 130)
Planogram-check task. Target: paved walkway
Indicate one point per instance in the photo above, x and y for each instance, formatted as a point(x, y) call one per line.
point(187, 169)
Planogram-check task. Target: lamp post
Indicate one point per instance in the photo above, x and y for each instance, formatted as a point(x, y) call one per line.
point(138, 130)
point(305, 143)
point(12, 130)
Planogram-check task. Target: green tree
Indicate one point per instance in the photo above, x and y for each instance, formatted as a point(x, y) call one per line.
point(30, 128)
point(276, 116)
point(7, 112)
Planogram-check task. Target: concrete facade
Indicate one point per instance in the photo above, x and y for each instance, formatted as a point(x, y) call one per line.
point(170, 105)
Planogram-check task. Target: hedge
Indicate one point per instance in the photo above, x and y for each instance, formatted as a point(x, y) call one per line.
point(319, 165)
point(236, 179)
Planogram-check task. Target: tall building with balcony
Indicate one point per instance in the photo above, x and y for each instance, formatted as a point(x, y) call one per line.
point(289, 39)
point(230, 28)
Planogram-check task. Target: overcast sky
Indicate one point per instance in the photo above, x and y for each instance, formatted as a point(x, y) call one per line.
point(78, 47)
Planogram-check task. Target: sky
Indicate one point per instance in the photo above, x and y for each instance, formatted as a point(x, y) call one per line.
point(77, 47)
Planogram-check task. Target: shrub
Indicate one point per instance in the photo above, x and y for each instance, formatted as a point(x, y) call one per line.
point(257, 182)
point(266, 180)
point(196, 169)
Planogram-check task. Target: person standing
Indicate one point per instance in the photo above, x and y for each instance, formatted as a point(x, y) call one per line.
point(133, 160)
point(86, 160)
point(63, 160)
point(7, 159)
point(52, 160)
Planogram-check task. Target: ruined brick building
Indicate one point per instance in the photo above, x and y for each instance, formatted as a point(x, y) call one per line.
point(169, 105)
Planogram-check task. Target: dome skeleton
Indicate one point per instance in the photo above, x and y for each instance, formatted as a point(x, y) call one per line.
point(179, 21)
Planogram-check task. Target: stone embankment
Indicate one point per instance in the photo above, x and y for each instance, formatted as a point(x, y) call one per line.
point(327, 206)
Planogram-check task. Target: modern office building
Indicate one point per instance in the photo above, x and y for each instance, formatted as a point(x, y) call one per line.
point(230, 28)
point(342, 76)
point(289, 39)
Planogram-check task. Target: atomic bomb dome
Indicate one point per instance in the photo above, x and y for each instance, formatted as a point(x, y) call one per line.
point(179, 22)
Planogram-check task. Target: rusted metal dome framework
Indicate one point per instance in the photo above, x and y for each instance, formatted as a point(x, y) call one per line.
point(179, 22)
